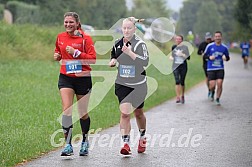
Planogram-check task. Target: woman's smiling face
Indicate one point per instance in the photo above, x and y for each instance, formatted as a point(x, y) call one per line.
point(70, 24)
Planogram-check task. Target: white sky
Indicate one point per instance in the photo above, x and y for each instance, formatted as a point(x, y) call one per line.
point(173, 4)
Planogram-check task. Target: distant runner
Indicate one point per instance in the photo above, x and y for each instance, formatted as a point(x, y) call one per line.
point(202, 47)
point(245, 46)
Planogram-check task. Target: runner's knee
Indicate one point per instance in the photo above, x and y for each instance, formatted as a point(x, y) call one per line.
point(177, 81)
point(125, 116)
point(139, 113)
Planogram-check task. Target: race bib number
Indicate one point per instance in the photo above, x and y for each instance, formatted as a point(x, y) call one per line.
point(178, 60)
point(127, 71)
point(217, 63)
point(244, 51)
point(73, 66)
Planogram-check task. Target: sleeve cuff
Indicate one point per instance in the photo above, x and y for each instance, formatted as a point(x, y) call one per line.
point(76, 53)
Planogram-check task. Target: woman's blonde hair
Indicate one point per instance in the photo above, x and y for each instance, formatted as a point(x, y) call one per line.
point(133, 20)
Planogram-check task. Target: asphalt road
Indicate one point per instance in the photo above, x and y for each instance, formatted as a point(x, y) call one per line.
point(198, 133)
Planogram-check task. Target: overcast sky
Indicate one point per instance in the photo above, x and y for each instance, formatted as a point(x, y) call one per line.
point(173, 4)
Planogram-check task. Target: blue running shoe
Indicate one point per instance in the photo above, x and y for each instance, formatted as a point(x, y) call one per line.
point(67, 151)
point(211, 96)
point(84, 149)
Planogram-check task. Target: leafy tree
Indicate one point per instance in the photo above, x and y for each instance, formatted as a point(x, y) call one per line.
point(52, 11)
point(158, 8)
point(211, 20)
point(25, 1)
point(226, 9)
point(99, 13)
point(112, 16)
point(243, 14)
point(1, 11)
point(188, 15)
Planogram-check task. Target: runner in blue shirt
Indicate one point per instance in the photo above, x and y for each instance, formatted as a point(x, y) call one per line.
point(245, 46)
point(216, 53)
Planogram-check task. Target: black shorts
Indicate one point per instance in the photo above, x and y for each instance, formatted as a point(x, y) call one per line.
point(216, 74)
point(180, 74)
point(135, 94)
point(80, 85)
point(243, 55)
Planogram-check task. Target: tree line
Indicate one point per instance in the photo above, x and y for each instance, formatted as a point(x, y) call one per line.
point(98, 13)
point(232, 17)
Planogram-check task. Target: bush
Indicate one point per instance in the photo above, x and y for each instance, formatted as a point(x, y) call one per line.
point(27, 41)
point(1, 11)
point(23, 13)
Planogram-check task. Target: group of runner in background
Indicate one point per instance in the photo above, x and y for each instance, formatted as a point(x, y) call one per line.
point(129, 54)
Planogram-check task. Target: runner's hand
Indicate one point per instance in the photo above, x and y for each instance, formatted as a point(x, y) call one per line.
point(70, 50)
point(224, 58)
point(112, 63)
point(126, 49)
point(171, 58)
point(56, 56)
point(211, 57)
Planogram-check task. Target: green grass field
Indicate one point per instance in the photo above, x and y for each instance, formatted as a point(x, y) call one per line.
point(29, 97)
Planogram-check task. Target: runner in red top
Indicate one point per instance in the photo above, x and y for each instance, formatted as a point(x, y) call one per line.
point(76, 51)
point(74, 45)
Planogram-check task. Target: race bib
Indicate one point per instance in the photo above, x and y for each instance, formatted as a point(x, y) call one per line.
point(217, 63)
point(73, 66)
point(127, 71)
point(244, 51)
point(178, 60)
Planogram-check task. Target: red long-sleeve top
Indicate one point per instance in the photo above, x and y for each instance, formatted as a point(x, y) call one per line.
point(84, 44)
